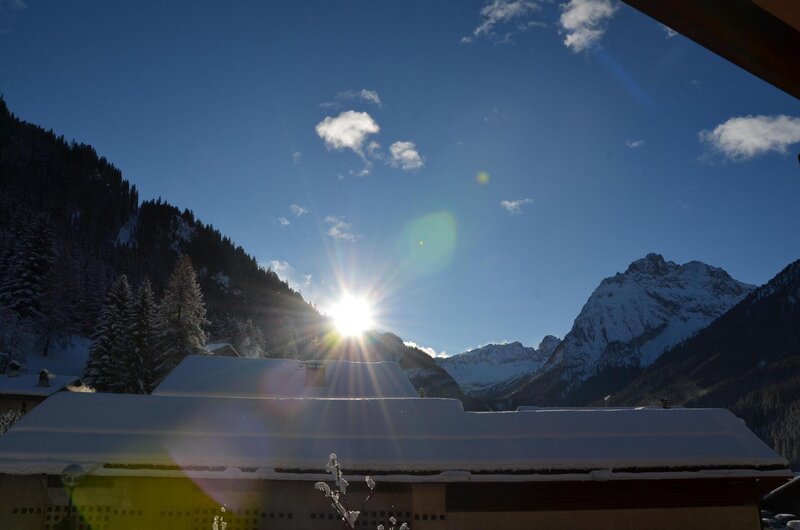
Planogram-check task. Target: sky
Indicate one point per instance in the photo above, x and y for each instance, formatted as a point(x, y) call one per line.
point(474, 168)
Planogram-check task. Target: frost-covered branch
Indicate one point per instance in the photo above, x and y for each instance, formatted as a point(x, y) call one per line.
point(219, 521)
point(8, 418)
point(338, 495)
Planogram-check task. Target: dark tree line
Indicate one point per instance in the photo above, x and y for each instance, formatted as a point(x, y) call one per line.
point(70, 225)
point(137, 342)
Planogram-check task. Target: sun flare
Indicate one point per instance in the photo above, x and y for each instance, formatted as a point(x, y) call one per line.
point(352, 316)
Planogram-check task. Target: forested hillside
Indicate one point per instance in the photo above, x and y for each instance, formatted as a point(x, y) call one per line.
point(70, 226)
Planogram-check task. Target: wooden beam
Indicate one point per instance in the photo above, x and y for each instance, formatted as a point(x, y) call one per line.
point(740, 31)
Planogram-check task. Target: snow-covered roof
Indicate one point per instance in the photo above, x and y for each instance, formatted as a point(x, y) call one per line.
point(218, 348)
point(203, 375)
point(262, 437)
point(211, 346)
point(28, 384)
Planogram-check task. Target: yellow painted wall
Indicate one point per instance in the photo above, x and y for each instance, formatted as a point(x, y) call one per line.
point(135, 503)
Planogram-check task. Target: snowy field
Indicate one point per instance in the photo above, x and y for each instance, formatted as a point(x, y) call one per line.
point(65, 358)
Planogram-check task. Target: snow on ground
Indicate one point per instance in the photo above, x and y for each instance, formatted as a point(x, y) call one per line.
point(127, 232)
point(223, 280)
point(64, 358)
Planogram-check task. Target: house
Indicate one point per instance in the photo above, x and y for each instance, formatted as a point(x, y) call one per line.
point(22, 392)
point(171, 460)
point(222, 349)
point(204, 375)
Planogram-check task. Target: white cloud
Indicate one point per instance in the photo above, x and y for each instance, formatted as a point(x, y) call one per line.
point(374, 150)
point(668, 31)
point(746, 137)
point(634, 144)
point(363, 172)
point(338, 228)
point(515, 207)
point(495, 116)
point(369, 96)
point(406, 156)
point(297, 157)
point(348, 130)
point(501, 12)
point(584, 21)
point(283, 221)
point(298, 210)
point(430, 351)
point(287, 273)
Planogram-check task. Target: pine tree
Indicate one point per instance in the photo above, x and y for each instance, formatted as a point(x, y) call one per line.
point(26, 272)
point(182, 315)
point(144, 339)
point(107, 367)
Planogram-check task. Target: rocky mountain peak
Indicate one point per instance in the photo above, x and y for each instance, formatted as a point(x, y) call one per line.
point(633, 317)
point(548, 345)
point(653, 263)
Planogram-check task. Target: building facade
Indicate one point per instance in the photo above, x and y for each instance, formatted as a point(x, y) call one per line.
point(172, 461)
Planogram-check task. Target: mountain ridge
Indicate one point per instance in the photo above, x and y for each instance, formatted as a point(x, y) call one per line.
point(628, 321)
point(494, 369)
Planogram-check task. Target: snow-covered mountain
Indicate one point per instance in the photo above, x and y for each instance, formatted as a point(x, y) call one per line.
point(631, 319)
point(493, 369)
point(747, 361)
point(627, 323)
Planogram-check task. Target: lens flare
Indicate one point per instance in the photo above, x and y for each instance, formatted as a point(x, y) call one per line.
point(352, 316)
point(482, 178)
point(428, 243)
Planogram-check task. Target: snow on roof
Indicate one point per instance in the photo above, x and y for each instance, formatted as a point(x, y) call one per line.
point(536, 408)
point(211, 346)
point(393, 436)
point(204, 375)
point(28, 384)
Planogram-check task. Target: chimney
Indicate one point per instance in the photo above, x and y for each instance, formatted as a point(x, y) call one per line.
point(44, 378)
point(13, 368)
point(315, 373)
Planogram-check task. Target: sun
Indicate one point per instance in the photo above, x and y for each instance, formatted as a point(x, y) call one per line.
point(352, 316)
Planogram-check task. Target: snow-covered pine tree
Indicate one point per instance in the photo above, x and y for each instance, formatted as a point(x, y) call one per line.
point(22, 290)
point(182, 317)
point(144, 334)
point(107, 367)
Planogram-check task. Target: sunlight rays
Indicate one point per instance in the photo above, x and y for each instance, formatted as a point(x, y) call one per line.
point(352, 315)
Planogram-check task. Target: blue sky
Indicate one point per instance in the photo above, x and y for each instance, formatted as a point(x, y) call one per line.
point(606, 137)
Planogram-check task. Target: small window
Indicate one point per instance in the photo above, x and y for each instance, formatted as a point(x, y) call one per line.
point(315, 374)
